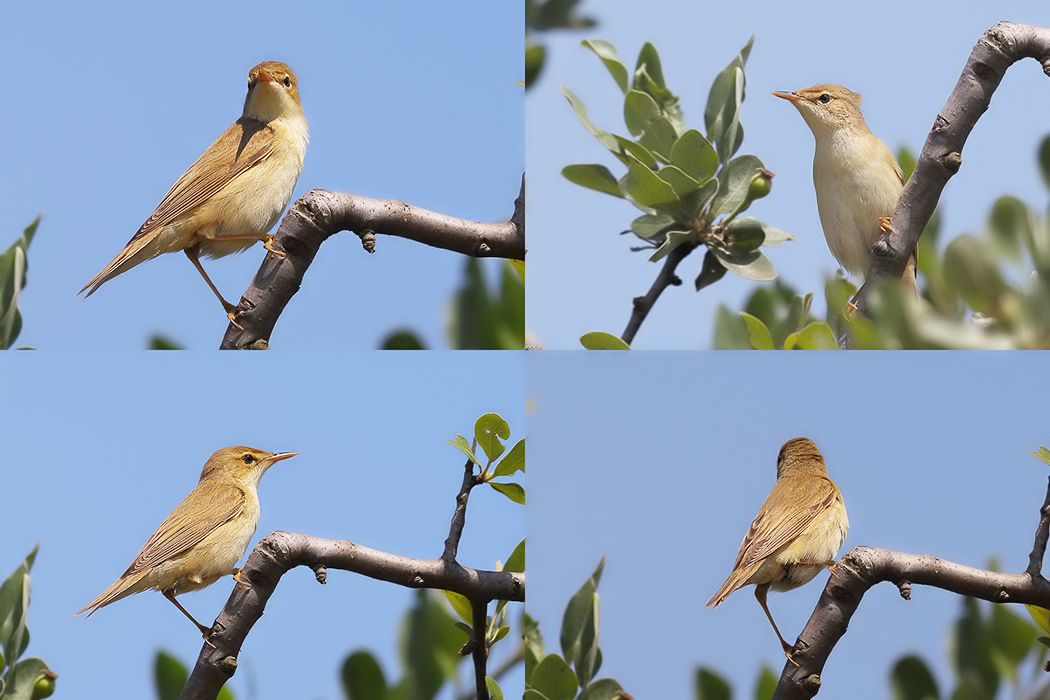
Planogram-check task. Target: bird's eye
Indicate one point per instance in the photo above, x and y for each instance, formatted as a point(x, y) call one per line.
point(287, 81)
point(247, 458)
point(824, 99)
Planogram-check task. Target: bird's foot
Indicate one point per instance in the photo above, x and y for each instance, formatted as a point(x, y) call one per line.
point(268, 244)
point(885, 225)
point(238, 579)
point(788, 649)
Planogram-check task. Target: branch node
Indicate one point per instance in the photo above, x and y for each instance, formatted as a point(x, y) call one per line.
point(417, 580)
point(881, 249)
point(228, 665)
point(368, 240)
point(321, 574)
point(811, 683)
point(676, 281)
point(1003, 597)
point(953, 161)
point(1046, 666)
point(905, 589)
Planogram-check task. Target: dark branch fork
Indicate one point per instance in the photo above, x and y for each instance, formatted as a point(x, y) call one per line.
point(279, 552)
point(999, 48)
point(863, 567)
point(319, 214)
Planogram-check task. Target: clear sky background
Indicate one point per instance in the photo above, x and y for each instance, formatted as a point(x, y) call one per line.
point(109, 104)
point(903, 57)
point(661, 467)
point(94, 461)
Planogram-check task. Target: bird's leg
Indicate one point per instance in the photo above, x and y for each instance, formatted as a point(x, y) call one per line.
point(268, 244)
point(193, 253)
point(206, 631)
point(237, 577)
point(760, 594)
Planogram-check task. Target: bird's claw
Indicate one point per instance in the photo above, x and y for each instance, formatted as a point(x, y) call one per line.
point(885, 225)
point(268, 244)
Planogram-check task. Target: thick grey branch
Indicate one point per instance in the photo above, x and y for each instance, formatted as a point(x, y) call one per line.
point(279, 552)
point(863, 567)
point(319, 214)
point(999, 48)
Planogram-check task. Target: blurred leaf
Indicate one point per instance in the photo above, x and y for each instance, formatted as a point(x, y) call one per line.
point(554, 14)
point(169, 675)
point(495, 692)
point(710, 272)
point(757, 332)
point(816, 335)
point(461, 444)
point(535, 55)
point(648, 225)
point(837, 293)
point(461, 606)
point(911, 679)
point(533, 644)
point(593, 176)
point(978, 678)
point(511, 490)
point(14, 265)
point(362, 677)
point(483, 320)
point(160, 342)
point(1011, 639)
point(402, 340)
point(1010, 226)
point(607, 52)
point(489, 430)
point(1043, 454)
point(429, 646)
point(731, 332)
point(554, 679)
point(516, 560)
point(1044, 160)
point(513, 461)
point(711, 686)
point(602, 689)
point(599, 340)
point(766, 684)
point(969, 269)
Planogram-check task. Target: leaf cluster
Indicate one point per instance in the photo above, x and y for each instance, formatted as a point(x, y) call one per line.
point(22, 679)
point(14, 264)
point(490, 430)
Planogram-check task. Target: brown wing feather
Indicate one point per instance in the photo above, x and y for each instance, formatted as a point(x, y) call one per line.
point(766, 536)
point(178, 533)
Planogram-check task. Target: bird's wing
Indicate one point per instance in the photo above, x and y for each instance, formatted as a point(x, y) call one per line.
point(766, 534)
point(178, 532)
point(247, 142)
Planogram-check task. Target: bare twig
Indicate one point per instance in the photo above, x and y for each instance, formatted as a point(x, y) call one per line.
point(665, 279)
point(480, 651)
point(863, 567)
point(319, 214)
point(999, 48)
point(280, 552)
point(459, 516)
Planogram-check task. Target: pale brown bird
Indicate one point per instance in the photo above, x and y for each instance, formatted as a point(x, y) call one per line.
point(857, 179)
point(798, 530)
point(235, 192)
point(204, 537)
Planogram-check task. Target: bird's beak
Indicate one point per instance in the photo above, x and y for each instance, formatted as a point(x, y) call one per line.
point(279, 456)
point(264, 77)
point(789, 96)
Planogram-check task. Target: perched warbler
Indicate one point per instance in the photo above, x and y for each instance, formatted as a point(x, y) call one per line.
point(204, 537)
point(797, 532)
point(235, 192)
point(858, 181)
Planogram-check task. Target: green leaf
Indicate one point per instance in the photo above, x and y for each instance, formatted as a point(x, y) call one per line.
point(751, 265)
point(711, 686)
point(745, 233)
point(599, 340)
point(970, 269)
point(160, 342)
point(516, 560)
point(429, 645)
point(489, 430)
point(22, 677)
point(694, 155)
point(514, 461)
point(911, 680)
point(461, 444)
point(649, 225)
point(362, 677)
point(697, 202)
point(676, 178)
point(169, 675)
point(638, 151)
point(816, 335)
point(1010, 225)
point(581, 113)
point(535, 55)
point(1043, 454)
point(730, 331)
point(602, 689)
point(511, 490)
point(757, 332)
point(577, 613)
point(672, 240)
point(734, 179)
point(14, 264)
point(495, 692)
point(460, 605)
point(766, 684)
point(722, 114)
point(1044, 160)
point(402, 340)
point(649, 58)
point(1011, 639)
point(533, 645)
point(639, 108)
point(607, 52)
point(710, 272)
point(554, 679)
point(588, 658)
point(592, 176)
point(645, 187)
point(14, 603)
point(977, 675)
point(659, 138)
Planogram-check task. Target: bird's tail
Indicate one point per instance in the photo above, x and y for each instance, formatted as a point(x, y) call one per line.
point(121, 588)
point(131, 256)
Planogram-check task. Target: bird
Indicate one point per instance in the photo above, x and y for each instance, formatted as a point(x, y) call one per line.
point(236, 191)
point(204, 537)
point(857, 178)
point(798, 530)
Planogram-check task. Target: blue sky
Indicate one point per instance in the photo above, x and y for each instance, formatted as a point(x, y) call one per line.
point(660, 466)
point(583, 275)
point(96, 459)
point(405, 100)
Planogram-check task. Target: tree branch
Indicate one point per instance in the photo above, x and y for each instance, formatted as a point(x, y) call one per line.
point(479, 650)
point(665, 279)
point(999, 48)
point(459, 516)
point(319, 214)
point(279, 552)
point(863, 567)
